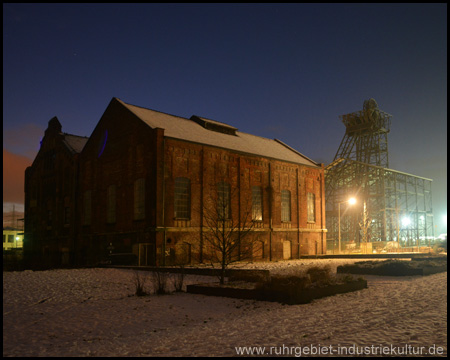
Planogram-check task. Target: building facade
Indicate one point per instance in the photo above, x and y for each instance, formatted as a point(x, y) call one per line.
point(141, 182)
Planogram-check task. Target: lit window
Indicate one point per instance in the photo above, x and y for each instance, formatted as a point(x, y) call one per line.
point(311, 207)
point(257, 203)
point(285, 205)
point(182, 198)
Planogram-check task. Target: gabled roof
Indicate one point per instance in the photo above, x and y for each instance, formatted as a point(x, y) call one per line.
point(74, 143)
point(188, 129)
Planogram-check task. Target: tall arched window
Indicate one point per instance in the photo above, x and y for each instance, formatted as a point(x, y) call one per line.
point(182, 198)
point(257, 203)
point(223, 201)
point(311, 207)
point(285, 205)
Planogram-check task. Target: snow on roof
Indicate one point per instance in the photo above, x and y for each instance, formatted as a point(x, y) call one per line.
point(189, 130)
point(75, 143)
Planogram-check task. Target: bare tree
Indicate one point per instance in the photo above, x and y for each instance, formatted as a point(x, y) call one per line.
point(226, 235)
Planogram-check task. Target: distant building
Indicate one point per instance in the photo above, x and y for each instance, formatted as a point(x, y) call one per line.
point(135, 185)
point(12, 238)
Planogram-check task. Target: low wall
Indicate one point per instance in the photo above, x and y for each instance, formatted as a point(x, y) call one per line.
point(289, 296)
point(238, 273)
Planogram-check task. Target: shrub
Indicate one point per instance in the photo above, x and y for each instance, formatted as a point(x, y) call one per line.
point(320, 275)
point(178, 279)
point(248, 275)
point(346, 278)
point(139, 282)
point(283, 288)
point(281, 282)
point(160, 281)
point(393, 265)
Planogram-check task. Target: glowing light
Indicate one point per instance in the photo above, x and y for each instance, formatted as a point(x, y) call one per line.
point(406, 221)
point(352, 201)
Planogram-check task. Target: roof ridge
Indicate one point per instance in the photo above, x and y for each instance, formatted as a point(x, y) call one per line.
point(220, 122)
point(81, 136)
point(243, 142)
point(161, 112)
point(297, 152)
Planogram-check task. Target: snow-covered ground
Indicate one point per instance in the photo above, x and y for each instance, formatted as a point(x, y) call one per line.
point(93, 312)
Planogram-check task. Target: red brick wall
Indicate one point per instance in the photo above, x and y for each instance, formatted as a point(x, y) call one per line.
point(205, 165)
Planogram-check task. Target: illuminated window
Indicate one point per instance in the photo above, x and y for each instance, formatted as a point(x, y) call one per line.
point(182, 198)
point(257, 203)
point(285, 205)
point(10, 238)
point(311, 207)
point(111, 204)
point(223, 201)
point(139, 199)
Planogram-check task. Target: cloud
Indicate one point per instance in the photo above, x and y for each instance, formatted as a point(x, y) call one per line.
point(14, 177)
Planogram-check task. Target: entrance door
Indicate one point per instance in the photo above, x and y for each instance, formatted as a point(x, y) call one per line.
point(286, 250)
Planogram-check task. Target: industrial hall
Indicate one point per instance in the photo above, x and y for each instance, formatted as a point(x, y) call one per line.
point(148, 184)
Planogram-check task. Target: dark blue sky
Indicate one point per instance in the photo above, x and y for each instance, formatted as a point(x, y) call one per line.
point(282, 71)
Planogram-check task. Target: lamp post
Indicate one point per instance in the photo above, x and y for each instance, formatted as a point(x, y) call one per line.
point(351, 201)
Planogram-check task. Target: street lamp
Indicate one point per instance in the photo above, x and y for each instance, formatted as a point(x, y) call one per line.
point(350, 201)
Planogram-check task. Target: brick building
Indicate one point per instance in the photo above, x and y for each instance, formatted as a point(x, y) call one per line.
point(139, 183)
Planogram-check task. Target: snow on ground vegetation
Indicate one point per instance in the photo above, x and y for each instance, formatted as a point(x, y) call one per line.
point(93, 312)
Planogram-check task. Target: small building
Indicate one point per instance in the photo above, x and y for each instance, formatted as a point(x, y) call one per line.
point(138, 185)
point(12, 238)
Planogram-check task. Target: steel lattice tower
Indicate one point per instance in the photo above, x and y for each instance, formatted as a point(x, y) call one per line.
point(361, 169)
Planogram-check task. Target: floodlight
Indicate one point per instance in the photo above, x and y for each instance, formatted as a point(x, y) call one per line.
point(406, 221)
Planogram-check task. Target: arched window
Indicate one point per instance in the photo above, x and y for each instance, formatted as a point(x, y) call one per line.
point(257, 203)
point(311, 207)
point(285, 205)
point(182, 198)
point(223, 201)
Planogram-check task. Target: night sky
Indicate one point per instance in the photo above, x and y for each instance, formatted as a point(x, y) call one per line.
point(284, 71)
